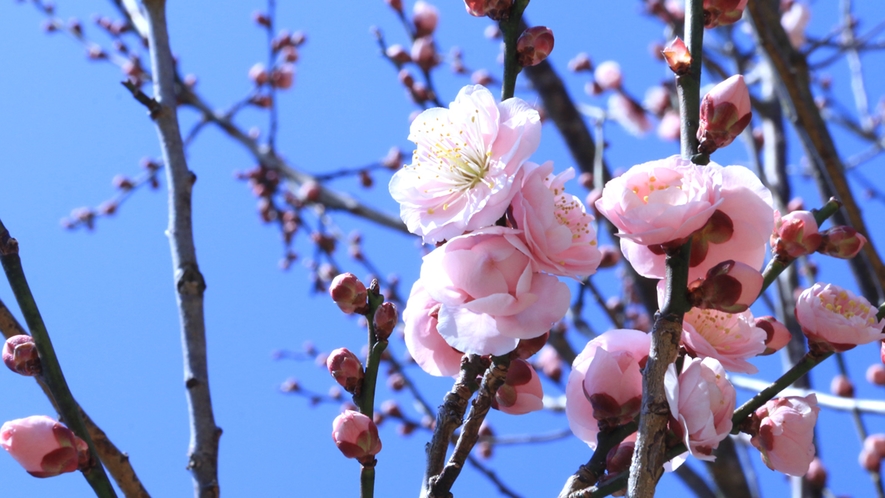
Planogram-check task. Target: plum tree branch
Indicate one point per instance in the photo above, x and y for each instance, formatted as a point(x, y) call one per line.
point(189, 282)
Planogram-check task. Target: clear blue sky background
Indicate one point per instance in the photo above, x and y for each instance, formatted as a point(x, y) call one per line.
point(67, 127)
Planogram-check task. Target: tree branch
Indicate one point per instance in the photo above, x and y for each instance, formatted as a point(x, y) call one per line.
point(189, 282)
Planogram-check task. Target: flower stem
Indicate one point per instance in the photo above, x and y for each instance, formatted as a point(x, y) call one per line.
point(511, 30)
point(367, 481)
point(52, 375)
point(366, 399)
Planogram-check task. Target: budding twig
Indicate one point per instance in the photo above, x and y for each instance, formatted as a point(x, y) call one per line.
point(51, 375)
point(511, 28)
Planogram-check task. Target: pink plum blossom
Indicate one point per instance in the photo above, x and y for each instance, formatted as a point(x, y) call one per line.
point(356, 435)
point(555, 225)
point(731, 338)
point(726, 210)
point(468, 159)
point(834, 318)
point(43, 446)
point(522, 392)
point(701, 402)
point(429, 350)
point(795, 234)
point(489, 296)
point(786, 433)
point(605, 384)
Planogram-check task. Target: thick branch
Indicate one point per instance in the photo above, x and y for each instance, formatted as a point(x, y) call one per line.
point(189, 283)
point(792, 69)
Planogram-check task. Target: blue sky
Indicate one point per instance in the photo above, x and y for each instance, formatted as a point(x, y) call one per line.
point(68, 127)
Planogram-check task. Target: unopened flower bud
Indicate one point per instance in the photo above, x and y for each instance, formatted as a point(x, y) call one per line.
point(534, 45)
point(122, 183)
point(424, 53)
point(841, 386)
point(869, 460)
point(581, 62)
point(356, 435)
point(497, 10)
point(876, 374)
point(398, 54)
point(482, 77)
point(608, 75)
point(258, 74)
point(283, 76)
point(20, 355)
point(525, 348)
point(723, 12)
point(677, 56)
point(795, 234)
point(618, 458)
point(261, 19)
point(817, 473)
point(385, 320)
point(841, 242)
point(349, 293)
point(610, 256)
point(776, 334)
point(725, 112)
point(309, 191)
point(425, 18)
point(396, 5)
point(730, 286)
point(43, 446)
point(396, 381)
point(346, 369)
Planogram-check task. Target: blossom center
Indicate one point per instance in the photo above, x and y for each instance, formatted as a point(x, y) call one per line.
point(842, 304)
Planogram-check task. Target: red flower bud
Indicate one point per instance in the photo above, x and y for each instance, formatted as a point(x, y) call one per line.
point(725, 112)
point(534, 45)
point(730, 286)
point(283, 76)
point(842, 386)
point(349, 293)
point(842, 242)
point(876, 374)
point(425, 18)
point(385, 320)
point(20, 355)
point(498, 10)
point(356, 435)
point(677, 56)
point(424, 53)
point(258, 74)
point(346, 369)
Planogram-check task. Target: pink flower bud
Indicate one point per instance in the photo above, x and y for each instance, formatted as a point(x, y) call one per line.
point(349, 293)
point(498, 10)
point(521, 392)
point(794, 21)
point(875, 443)
point(610, 256)
point(776, 334)
point(424, 53)
point(283, 76)
point(701, 404)
point(385, 320)
point(786, 433)
point(346, 369)
point(534, 45)
point(670, 126)
point(396, 5)
point(20, 355)
point(876, 374)
point(619, 458)
point(722, 12)
point(581, 62)
point(817, 473)
point(841, 386)
point(730, 286)
point(482, 77)
point(677, 56)
point(725, 112)
point(525, 348)
point(425, 18)
point(43, 446)
point(835, 319)
point(795, 234)
point(398, 54)
point(356, 435)
point(550, 363)
point(608, 75)
point(657, 100)
point(842, 242)
point(258, 74)
point(261, 19)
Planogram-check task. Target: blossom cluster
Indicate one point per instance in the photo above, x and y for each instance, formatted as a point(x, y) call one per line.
point(504, 230)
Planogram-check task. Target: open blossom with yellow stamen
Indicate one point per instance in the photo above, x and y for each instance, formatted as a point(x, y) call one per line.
point(467, 164)
point(835, 319)
point(555, 225)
